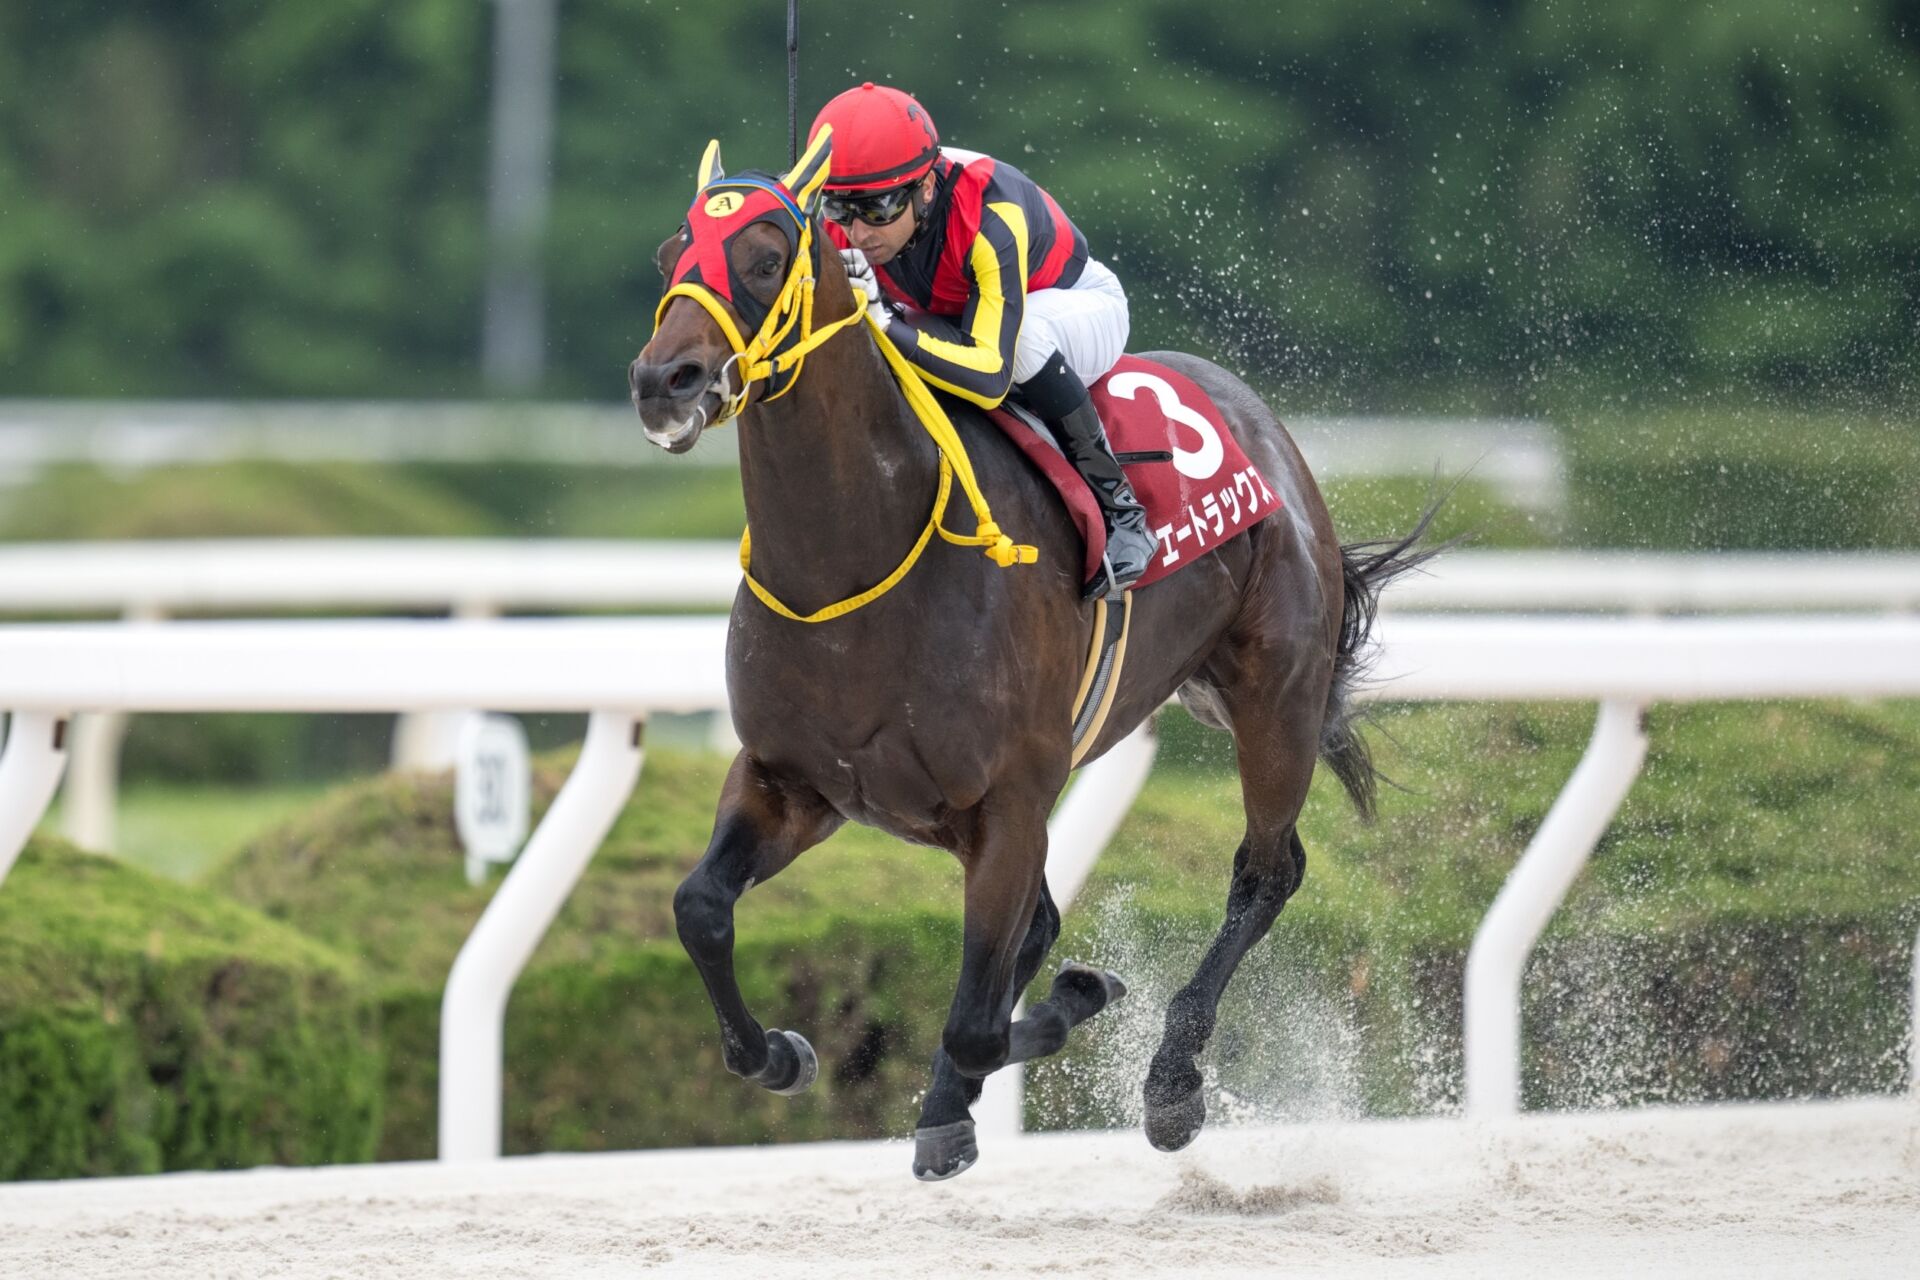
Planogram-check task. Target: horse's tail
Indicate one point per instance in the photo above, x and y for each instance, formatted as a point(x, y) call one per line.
point(1365, 568)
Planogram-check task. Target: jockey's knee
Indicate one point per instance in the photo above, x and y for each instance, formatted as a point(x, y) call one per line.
point(1052, 390)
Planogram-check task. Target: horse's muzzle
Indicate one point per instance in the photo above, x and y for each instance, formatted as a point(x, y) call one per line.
point(671, 401)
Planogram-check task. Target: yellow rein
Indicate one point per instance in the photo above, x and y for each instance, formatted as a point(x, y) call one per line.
point(795, 305)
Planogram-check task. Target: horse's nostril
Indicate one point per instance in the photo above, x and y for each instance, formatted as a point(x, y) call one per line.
point(667, 381)
point(685, 377)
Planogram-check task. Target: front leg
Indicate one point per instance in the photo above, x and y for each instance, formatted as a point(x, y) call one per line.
point(1005, 878)
point(763, 824)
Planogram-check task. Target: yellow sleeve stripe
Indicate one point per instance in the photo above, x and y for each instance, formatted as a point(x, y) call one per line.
point(983, 354)
point(1015, 220)
point(973, 394)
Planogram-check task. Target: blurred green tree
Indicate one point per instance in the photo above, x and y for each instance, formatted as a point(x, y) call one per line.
point(1465, 202)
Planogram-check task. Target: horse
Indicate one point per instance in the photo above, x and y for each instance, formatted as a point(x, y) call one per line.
point(940, 711)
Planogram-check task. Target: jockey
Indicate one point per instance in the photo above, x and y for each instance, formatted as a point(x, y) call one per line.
point(983, 284)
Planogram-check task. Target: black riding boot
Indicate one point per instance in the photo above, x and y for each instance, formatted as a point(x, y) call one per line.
point(1131, 546)
point(1061, 400)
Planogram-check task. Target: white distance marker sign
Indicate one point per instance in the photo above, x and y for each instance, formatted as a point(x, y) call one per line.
point(492, 791)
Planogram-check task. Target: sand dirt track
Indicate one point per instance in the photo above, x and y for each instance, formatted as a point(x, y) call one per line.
point(1828, 1189)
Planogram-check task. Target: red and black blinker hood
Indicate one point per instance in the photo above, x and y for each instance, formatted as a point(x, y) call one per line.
point(722, 210)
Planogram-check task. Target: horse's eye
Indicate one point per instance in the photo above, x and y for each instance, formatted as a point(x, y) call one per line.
point(767, 266)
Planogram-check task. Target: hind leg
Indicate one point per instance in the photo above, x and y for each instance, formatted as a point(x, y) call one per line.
point(1276, 755)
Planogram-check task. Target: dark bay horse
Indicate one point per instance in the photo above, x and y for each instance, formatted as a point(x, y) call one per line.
point(940, 711)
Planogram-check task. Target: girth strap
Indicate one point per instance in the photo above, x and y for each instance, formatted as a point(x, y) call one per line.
point(1105, 658)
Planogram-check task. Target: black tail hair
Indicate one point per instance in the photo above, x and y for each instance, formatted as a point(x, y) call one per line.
point(1366, 568)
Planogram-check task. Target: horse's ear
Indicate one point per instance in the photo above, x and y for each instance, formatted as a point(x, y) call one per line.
point(806, 178)
point(710, 169)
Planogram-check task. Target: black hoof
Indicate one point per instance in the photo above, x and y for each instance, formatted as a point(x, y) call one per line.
point(1105, 981)
point(943, 1151)
point(1174, 1125)
point(804, 1068)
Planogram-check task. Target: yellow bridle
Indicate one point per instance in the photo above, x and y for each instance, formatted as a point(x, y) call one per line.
point(757, 360)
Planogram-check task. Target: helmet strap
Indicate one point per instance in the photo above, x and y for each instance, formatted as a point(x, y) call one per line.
point(922, 203)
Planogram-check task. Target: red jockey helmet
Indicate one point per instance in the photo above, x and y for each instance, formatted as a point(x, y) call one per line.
point(882, 139)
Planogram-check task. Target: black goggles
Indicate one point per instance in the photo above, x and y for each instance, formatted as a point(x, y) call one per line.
point(876, 210)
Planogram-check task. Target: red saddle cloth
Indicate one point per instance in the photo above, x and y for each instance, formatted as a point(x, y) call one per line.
point(1196, 483)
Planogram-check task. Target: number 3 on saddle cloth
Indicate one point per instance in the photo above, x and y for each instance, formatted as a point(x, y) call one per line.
point(1188, 471)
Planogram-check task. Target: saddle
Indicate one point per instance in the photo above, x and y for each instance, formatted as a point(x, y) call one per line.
point(1196, 483)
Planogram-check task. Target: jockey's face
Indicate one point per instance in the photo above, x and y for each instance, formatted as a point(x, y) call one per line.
point(881, 244)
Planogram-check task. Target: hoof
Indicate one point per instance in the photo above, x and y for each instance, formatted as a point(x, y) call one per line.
point(943, 1151)
point(1105, 979)
point(1173, 1126)
point(806, 1067)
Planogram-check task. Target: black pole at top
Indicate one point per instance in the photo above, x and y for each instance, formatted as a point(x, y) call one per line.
point(793, 84)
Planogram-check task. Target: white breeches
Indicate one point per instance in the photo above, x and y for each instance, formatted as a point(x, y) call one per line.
point(1086, 323)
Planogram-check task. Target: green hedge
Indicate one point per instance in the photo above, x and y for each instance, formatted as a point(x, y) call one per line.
point(1741, 1010)
point(1744, 931)
point(1745, 928)
point(147, 1026)
point(624, 1052)
point(610, 995)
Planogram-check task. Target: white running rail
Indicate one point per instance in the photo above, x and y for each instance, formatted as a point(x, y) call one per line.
point(619, 670)
point(479, 577)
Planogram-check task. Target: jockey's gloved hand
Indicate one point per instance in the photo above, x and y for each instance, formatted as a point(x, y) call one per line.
point(860, 272)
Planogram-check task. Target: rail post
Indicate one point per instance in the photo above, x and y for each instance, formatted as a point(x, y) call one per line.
point(31, 763)
point(474, 1010)
point(1530, 896)
point(89, 805)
